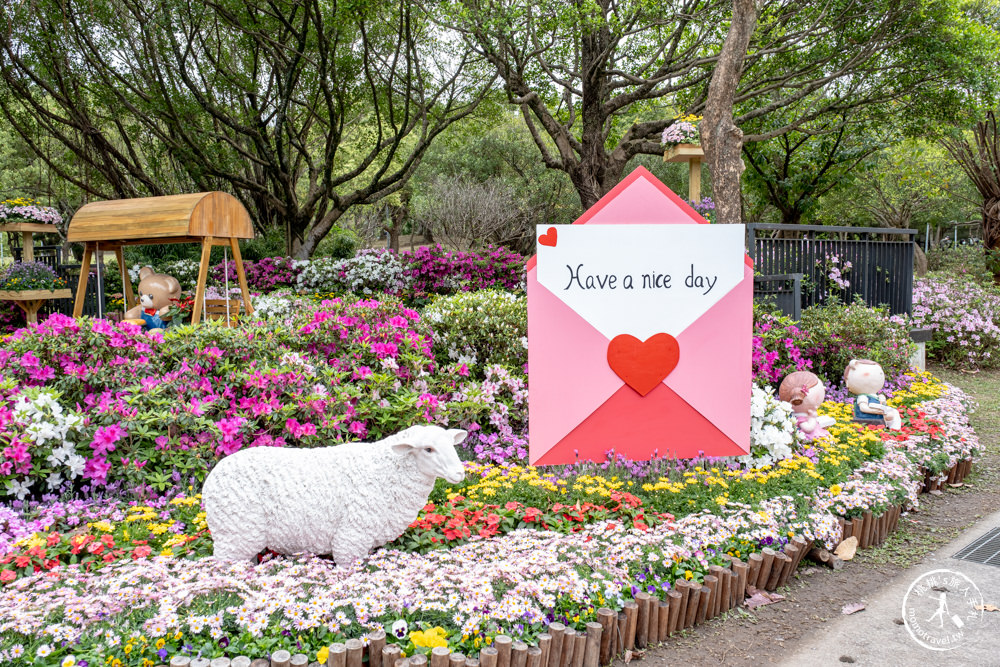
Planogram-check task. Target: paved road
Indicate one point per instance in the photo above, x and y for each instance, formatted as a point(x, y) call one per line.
point(938, 607)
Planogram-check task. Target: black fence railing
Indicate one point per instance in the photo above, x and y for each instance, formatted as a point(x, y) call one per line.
point(841, 262)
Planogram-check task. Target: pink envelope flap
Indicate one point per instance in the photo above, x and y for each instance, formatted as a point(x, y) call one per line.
point(574, 351)
point(724, 330)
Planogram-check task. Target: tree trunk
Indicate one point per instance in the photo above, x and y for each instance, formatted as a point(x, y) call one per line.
point(721, 140)
point(919, 260)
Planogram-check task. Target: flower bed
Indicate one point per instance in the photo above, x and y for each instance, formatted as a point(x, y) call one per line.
point(476, 563)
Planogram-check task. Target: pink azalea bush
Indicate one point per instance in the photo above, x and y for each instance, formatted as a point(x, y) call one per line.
point(165, 409)
point(264, 275)
point(434, 270)
point(965, 319)
point(779, 348)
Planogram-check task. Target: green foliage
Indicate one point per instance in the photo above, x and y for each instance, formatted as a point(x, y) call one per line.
point(963, 261)
point(340, 243)
point(839, 333)
point(480, 329)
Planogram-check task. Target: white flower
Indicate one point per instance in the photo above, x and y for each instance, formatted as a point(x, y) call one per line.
point(400, 629)
point(44, 650)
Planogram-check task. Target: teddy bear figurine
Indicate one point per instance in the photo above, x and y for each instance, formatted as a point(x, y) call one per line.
point(865, 378)
point(806, 393)
point(156, 291)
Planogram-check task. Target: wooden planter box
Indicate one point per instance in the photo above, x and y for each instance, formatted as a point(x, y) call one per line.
point(683, 153)
point(31, 300)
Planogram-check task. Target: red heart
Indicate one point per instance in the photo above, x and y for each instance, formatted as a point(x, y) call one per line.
point(549, 237)
point(643, 365)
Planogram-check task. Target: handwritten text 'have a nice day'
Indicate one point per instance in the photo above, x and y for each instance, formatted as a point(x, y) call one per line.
point(610, 281)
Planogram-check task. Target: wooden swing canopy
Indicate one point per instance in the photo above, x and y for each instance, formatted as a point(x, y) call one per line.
point(206, 218)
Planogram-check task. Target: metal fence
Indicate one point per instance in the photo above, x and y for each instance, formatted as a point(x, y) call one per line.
point(841, 262)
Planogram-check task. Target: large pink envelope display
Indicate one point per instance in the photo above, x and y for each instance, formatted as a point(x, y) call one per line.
point(579, 407)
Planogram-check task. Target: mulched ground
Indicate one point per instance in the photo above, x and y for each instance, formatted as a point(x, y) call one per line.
point(816, 595)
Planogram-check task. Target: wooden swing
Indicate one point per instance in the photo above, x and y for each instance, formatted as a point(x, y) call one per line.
point(207, 218)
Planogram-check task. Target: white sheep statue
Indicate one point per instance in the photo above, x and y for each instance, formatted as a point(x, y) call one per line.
point(341, 500)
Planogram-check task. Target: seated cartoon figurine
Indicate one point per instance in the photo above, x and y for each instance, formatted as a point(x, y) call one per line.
point(865, 378)
point(806, 393)
point(156, 290)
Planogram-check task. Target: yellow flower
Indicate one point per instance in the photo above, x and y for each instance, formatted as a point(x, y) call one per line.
point(835, 490)
point(160, 643)
point(688, 574)
point(322, 654)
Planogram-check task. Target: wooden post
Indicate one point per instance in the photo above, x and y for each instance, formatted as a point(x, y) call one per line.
point(663, 618)
point(632, 618)
point(704, 601)
point(518, 654)
point(238, 661)
point(642, 619)
point(355, 651)
point(766, 565)
point(225, 662)
point(803, 545)
point(376, 642)
point(439, 656)
point(416, 660)
point(338, 655)
point(753, 573)
point(81, 284)
point(488, 657)
point(260, 662)
point(502, 643)
point(694, 598)
point(471, 662)
point(712, 584)
point(241, 274)
point(792, 551)
point(694, 179)
point(205, 662)
point(592, 653)
point(716, 571)
point(866, 530)
point(569, 646)
point(725, 599)
point(456, 660)
point(281, 658)
point(579, 649)
point(390, 654)
point(606, 618)
point(534, 657)
point(674, 599)
point(781, 561)
point(199, 295)
point(180, 661)
point(742, 571)
point(556, 631)
point(857, 523)
point(544, 648)
point(622, 631)
point(653, 634)
point(298, 660)
point(28, 246)
point(126, 281)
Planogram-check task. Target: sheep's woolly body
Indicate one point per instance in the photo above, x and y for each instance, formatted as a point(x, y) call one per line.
point(342, 500)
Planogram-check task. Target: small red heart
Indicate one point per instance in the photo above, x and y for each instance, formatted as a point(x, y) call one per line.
point(643, 365)
point(549, 237)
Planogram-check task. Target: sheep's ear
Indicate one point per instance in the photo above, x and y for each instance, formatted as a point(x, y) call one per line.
point(458, 434)
point(402, 447)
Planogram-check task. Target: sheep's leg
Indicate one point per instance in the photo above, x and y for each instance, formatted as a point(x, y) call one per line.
point(346, 551)
point(237, 546)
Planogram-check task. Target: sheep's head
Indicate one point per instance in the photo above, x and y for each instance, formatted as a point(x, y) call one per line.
point(434, 450)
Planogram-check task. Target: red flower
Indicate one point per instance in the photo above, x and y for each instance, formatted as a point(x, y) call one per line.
point(52, 540)
point(7, 576)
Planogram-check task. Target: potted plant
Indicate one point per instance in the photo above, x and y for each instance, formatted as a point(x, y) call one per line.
point(681, 139)
point(30, 284)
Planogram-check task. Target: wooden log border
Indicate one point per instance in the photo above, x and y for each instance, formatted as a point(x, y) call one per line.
point(641, 623)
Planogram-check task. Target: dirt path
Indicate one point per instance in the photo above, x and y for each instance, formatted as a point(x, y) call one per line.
point(816, 595)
